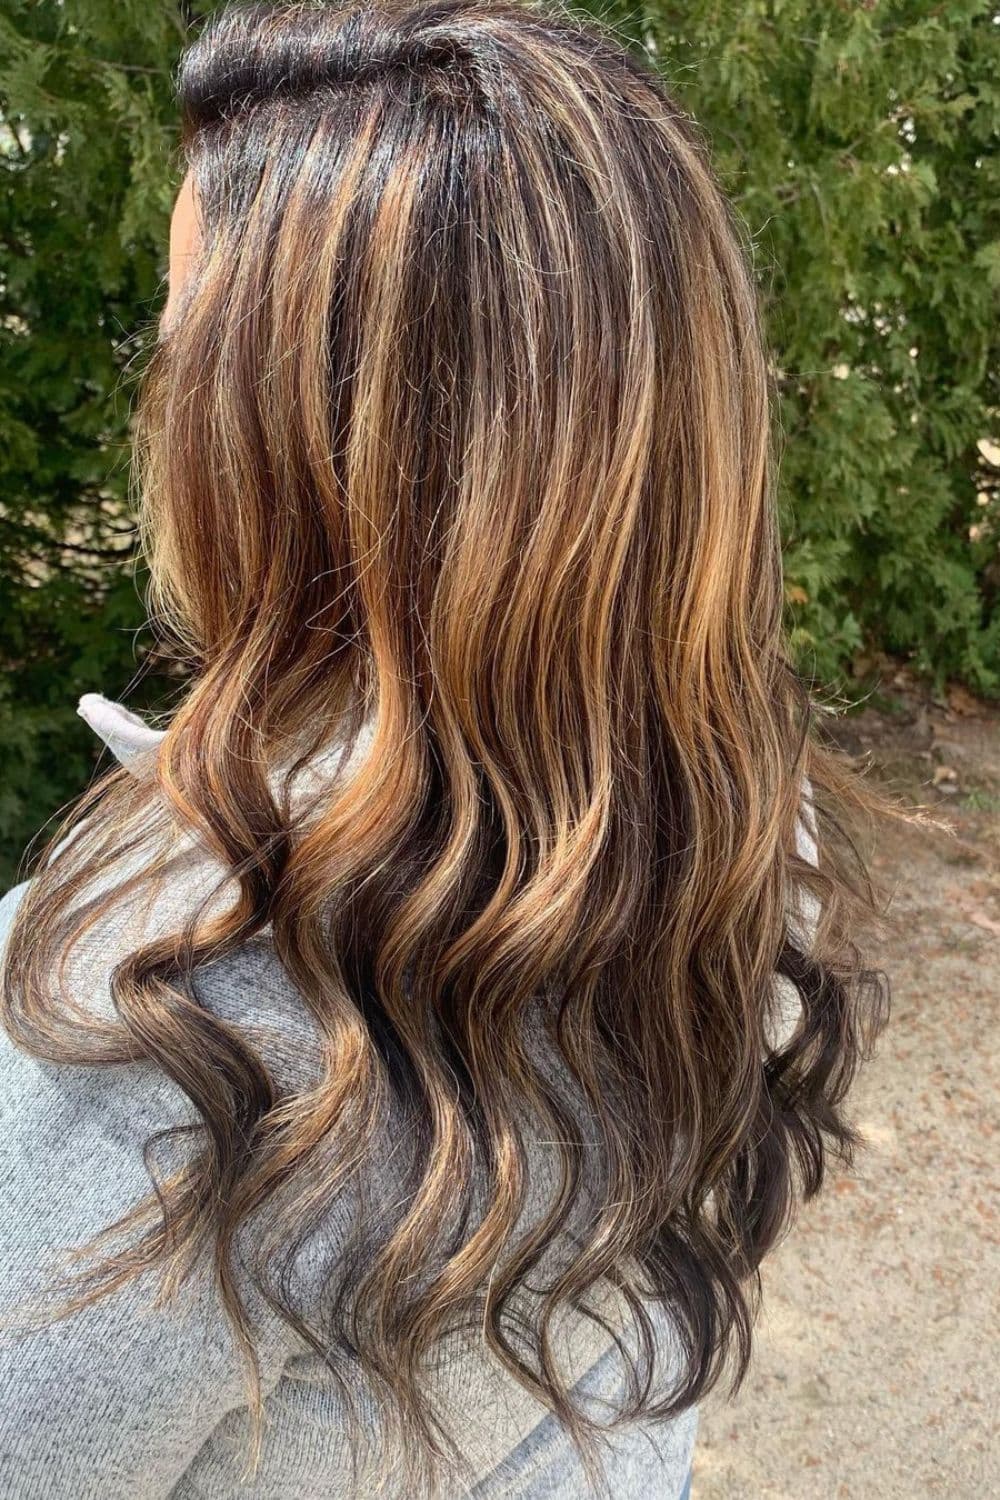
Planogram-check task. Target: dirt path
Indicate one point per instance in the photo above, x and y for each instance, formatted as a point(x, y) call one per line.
point(878, 1353)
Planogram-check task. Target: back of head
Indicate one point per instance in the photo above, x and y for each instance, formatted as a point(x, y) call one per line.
point(460, 432)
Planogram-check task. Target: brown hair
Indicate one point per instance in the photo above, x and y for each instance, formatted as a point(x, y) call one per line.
point(462, 430)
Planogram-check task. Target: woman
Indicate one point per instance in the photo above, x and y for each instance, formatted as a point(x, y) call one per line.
point(418, 1045)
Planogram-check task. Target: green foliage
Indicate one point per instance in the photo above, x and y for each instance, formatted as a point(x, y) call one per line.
point(858, 141)
point(87, 173)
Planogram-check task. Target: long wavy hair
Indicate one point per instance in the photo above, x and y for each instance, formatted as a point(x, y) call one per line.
point(460, 435)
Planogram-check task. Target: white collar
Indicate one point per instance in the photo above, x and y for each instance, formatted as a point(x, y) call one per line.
point(124, 732)
point(130, 739)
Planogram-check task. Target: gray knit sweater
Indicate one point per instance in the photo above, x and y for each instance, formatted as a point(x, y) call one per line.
point(133, 1400)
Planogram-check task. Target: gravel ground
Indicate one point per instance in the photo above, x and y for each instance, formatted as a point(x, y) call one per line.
point(877, 1362)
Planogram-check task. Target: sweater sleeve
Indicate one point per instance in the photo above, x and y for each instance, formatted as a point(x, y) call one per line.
point(117, 1400)
point(806, 914)
point(803, 922)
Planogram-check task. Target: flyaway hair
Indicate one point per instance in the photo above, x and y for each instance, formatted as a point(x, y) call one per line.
point(457, 456)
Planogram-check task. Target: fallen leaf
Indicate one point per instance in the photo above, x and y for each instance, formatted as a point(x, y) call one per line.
point(961, 701)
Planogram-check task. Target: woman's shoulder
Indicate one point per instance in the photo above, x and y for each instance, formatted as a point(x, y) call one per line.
point(82, 1147)
point(124, 1393)
point(247, 987)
